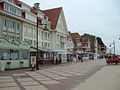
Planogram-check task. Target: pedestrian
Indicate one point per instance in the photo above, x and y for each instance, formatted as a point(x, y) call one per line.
point(79, 57)
point(74, 59)
point(56, 61)
point(60, 60)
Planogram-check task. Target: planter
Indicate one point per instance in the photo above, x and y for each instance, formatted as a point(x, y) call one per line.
point(8, 63)
point(21, 62)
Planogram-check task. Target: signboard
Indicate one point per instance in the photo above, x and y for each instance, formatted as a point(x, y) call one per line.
point(33, 60)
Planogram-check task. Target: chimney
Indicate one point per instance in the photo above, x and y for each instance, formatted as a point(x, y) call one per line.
point(36, 6)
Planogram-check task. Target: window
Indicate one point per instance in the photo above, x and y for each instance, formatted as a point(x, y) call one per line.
point(34, 43)
point(45, 44)
point(9, 54)
point(29, 32)
point(9, 1)
point(25, 31)
point(13, 54)
point(34, 34)
point(42, 35)
point(45, 37)
point(48, 36)
point(11, 26)
point(17, 27)
point(30, 17)
point(58, 38)
point(23, 54)
point(3, 54)
point(48, 45)
point(42, 44)
point(7, 7)
point(12, 10)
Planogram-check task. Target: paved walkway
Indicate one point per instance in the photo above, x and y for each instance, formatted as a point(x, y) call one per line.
point(61, 77)
point(106, 79)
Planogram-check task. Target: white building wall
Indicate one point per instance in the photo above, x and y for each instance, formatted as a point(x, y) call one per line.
point(1, 22)
point(31, 17)
point(53, 40)
point(96, 48)
point(25, 7)
point(70, 44)
point(61, 32)
point(12, 28)
point(29, 34)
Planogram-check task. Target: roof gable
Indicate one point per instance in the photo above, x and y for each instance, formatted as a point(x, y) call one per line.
point(74, 36)
point(53, 15)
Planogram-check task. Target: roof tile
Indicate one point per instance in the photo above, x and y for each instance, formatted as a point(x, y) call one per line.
point(53, 15)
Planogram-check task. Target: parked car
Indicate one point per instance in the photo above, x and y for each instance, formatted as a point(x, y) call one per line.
point(112, 61)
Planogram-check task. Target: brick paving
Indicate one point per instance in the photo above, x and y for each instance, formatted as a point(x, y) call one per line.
point(56, 77)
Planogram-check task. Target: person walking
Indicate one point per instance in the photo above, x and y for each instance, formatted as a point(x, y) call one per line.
point(56, 61)
point(60, 61)
point(74, 59)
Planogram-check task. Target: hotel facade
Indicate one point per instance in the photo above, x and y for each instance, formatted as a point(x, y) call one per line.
point(18, 32)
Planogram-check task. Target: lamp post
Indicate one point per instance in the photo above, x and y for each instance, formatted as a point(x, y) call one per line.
point(37, 66)
point(114, 46)
point(37, 55)
point(36, 6)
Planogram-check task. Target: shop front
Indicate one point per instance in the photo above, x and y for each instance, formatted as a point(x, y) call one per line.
point(45, 57)
point(61, 55)
point(14, 54)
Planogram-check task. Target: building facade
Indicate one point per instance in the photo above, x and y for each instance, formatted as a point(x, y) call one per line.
point(76, 40)
point(59, 32)
point(14, 53)
point(101, 47)
point(19, 24)
point(70, 43)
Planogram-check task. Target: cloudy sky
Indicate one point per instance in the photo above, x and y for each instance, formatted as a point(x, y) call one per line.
point(97, 17)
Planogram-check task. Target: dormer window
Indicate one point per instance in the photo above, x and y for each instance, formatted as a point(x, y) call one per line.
point(9, 1)
point(12, 10)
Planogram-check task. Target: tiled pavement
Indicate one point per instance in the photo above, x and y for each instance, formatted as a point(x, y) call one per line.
point(54, 78)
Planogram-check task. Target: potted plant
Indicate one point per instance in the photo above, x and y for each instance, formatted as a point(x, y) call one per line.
point(21, 62)
point(8, 63)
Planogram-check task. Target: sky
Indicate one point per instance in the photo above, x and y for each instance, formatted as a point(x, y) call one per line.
point(97, 17)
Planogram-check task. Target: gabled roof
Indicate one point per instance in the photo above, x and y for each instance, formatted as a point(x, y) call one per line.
point(100, 42)
point(53, 15)
point(74, 36)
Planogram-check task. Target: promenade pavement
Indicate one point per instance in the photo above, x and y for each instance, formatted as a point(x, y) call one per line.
point(58, 77)
point(108, 78)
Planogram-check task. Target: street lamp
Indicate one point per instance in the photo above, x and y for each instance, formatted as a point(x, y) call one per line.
point(45, 28)
point(37, 66)
point(36, 6)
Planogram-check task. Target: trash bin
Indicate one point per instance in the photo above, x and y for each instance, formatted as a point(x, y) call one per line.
point(2, 66)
